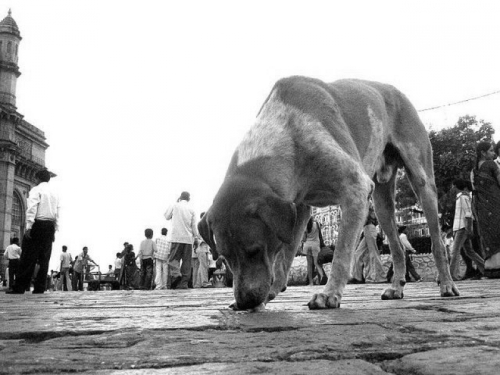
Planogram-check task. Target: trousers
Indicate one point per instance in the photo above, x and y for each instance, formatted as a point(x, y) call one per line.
point(13, 267)
point(182, 252)
point(36, 250)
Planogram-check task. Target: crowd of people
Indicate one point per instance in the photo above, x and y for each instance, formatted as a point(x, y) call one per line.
point(366, 265)
point(186, 261)
point(181, 262)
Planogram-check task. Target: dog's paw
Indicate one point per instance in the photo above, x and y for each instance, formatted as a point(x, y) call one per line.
point(391, 293)
point(323, 301)
point(449, 289)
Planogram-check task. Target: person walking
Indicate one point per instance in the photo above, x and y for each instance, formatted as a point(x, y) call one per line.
point(407, 248)
point(366, 265)
point(66, 261)
point(485, 178)
point(13, 255)
point(161, 259)
point(42, 216)
point(184, 234)
point(311, 248)
point(462, 228)
point(202, 277)
point(147, 250)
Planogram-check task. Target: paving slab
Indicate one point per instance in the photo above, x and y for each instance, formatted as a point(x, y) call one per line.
point(193, 331)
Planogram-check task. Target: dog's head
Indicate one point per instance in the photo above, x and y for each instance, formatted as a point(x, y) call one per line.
point(248, 224)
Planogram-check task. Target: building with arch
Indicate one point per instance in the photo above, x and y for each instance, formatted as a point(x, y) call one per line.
point(22, 145)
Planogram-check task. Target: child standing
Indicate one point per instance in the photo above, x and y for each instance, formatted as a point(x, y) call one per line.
point(146, 254)
point(13, 254)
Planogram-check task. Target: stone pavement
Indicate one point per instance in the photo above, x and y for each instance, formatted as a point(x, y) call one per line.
point(192, 331)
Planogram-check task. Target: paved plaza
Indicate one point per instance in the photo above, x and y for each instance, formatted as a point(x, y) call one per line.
point(193, 332)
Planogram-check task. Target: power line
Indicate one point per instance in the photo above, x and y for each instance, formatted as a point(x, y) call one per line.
point(461, 101)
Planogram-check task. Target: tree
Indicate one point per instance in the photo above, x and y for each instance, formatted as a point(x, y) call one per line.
point(454, 156)
point(454, 149)
point(405, 197)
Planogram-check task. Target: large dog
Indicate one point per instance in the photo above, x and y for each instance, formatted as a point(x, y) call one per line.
point(318, 144)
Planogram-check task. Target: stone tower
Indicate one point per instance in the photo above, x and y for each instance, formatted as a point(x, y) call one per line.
point(22, 145)
point(9, 71)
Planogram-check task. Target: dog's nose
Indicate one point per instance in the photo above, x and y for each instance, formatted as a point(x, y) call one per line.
point(249, 300)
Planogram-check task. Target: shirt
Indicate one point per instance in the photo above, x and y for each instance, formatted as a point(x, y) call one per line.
point(313, 235)
point(82, 261)
point(43, 204)
point(163, 248)
point(202, 249)
point(147, 249)
point(183, 218)
point(66, 260)
point(118, 263)
point(404, 241)
point(211, 261)
point(13, 252)
point(463, 210)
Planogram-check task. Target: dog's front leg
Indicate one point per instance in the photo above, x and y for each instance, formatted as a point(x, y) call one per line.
point(354, 211)
point(286, 255)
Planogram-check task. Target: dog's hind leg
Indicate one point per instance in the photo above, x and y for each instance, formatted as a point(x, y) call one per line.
point(354, 211)
point(423, 185)
point(286, 255)
point(416, 153)
point(383, 199)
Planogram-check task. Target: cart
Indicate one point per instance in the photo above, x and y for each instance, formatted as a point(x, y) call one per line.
point(95, 280)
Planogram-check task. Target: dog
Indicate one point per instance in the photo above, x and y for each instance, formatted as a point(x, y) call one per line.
point(319, 144)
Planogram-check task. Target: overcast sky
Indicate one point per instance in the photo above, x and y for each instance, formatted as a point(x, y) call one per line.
point(140, 100)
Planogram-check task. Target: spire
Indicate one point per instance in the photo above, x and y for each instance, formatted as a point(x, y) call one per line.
point(8, 25)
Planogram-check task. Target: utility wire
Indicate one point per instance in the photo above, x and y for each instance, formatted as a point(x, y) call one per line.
point(461, 101)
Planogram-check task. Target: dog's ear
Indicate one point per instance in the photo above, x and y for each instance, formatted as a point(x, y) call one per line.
point(278, 214)
point(207, 234)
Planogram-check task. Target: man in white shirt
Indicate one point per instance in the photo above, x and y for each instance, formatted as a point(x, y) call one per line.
point(66, 261)
point(41, 223)
point(13, 255)
point(408, 248)
point(462, 229)
point(184, 234)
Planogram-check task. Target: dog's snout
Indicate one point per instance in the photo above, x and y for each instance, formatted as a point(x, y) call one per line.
point(250, 301)
point(250, 296)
